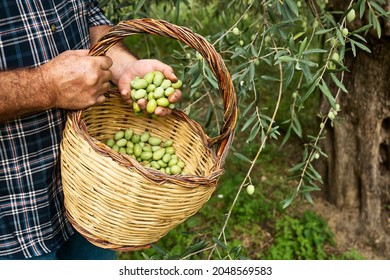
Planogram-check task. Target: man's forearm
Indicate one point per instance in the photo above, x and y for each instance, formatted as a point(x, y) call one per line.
point(27, 90)
point(23, 91)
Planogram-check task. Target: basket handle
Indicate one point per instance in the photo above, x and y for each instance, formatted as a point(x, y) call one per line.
point(195, 41)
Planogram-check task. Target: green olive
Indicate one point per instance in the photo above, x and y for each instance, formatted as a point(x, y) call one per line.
point(121, 142)
point(162, 163)
point(132, 93)
point(175, 169)
point(140, 93)
point(145, 136)
point(151, 106)
point(130, 144)
point(180, 163)
point(351, 15)
point(139, 84)
point(154, 141)
point(172, 162)
point(158, 92)
point(158, 78)
point(136, 107)
point(157, 155)
point(147, 148)
point(166, 158)
point(129, 150)
point(177, 84)
point(167, 143)
point(128, 133)
point(133, 81)
point(335, 56)
point(145, 155)
point(151, 96)
point(110, 142)
point(151, 88)
point(155, 165)
point(119, 135)
point(168, 91)
point(149, 77)
point(137, 150)
point(250, 189)
point(115, 148)
point(166, 84)
point(155, 148)
point(170, 150)
point(163, 102)
point(136, 138)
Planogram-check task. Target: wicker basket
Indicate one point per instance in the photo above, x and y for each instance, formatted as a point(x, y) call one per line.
point(113, 200)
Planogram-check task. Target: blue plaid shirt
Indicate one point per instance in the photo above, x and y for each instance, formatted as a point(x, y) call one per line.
point(32, 220)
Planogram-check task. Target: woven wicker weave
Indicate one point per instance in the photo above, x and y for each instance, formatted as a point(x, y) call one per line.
point(113, 200)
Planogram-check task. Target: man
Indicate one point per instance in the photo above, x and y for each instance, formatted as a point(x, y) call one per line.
point(46, 70)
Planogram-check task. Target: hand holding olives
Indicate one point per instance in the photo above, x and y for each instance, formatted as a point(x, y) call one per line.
point(154, 94)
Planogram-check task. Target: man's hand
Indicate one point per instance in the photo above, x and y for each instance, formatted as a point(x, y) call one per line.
point(140, 68)
point(77, 80)
point(73, 80)
point(126, 67)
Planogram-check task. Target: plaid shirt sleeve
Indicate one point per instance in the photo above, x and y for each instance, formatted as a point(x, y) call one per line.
point(95, 15)
point(32, 219)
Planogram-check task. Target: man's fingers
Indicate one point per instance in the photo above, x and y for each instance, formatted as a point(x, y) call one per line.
point(101, 98)
point(103, 88)
point(162, 111)
point(169, 74)
point(175, 97)
point(106, 75)
point(105, 62)
point(142, 103)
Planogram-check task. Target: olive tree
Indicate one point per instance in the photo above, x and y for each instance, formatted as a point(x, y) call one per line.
point(357, 170)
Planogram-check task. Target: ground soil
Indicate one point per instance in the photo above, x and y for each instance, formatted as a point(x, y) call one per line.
point(345, 226)
point(344, 223)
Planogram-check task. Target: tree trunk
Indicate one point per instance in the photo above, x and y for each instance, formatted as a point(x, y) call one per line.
point(357, 170)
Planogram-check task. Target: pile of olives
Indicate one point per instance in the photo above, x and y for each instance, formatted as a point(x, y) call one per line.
point(155, 92)
point(149, 150)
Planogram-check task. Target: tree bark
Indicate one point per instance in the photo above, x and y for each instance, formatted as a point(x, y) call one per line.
point(357, 170)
